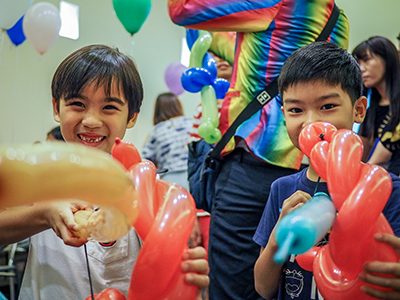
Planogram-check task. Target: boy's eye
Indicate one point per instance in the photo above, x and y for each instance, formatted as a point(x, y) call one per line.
point(295, 110)
point(328, 106)
point(111, 107)
point(75, 103)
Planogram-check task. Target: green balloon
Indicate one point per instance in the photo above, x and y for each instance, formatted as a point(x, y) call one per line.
point(132, 13)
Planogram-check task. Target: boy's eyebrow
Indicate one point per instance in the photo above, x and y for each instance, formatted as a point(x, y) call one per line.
point(115, 99)
point(321, 98)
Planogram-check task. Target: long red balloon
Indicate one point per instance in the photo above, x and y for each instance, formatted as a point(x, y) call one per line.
point(360, 192)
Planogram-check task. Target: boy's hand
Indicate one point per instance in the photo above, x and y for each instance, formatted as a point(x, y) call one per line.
point(296, 200)
point(60, 217)
point(195, 265)
point(391, 268)
point(195, 239)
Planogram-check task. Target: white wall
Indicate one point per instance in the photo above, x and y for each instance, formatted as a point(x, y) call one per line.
point(25, 76)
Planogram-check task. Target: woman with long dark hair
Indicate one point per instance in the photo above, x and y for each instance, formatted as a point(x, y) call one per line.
point(380, 67)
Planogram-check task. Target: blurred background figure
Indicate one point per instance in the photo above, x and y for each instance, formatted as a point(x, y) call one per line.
point(55, 134)
point(380, 131)
point(166, 145)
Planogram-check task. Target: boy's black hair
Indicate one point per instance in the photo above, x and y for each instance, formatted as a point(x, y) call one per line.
point(101, 65)
point(56, 133)
point(386, 50)
point(322, 61)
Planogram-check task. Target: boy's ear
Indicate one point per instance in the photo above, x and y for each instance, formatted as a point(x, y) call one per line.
point(360, 109)
point(132, 120)
point(56, 114)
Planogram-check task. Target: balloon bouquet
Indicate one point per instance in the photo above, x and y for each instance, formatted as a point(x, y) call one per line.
point(201, 76)
point(39, 23)
point(128, 193)
point(359, 192)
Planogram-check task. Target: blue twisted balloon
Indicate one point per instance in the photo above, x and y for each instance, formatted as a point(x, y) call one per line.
point(201, 76)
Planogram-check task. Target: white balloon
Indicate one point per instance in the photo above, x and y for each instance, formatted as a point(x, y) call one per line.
point(42, 23)
point(11, 11)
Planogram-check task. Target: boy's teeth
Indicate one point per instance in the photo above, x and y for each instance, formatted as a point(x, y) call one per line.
point(91, 140)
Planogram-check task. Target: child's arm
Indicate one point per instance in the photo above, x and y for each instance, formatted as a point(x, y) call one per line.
point(371, 270)
point(195, 265)
point(266, 272)
point(22, 222)
point(381, 155)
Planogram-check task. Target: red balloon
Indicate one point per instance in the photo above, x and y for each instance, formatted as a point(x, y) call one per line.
point(108, 294)
point(360, 192)
point(144, 180)
point(157, 271)
point(125, 153)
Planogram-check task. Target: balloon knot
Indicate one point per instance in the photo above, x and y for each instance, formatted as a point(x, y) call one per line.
point(117, 140)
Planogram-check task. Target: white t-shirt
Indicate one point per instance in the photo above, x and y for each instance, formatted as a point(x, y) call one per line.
point(57, 271)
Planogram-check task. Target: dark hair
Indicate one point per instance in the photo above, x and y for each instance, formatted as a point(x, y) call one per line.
point(384, 48)
point(56, 133)
point(167, 106)
point(322, 61)
point(101, 65)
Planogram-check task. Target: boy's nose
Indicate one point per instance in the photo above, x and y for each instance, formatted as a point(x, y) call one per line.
point(91, 120)
point(311, 118)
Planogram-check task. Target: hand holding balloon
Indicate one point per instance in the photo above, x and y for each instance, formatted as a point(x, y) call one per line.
point(302, 228)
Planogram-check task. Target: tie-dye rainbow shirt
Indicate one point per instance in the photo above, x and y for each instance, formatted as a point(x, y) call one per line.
point(268, 32)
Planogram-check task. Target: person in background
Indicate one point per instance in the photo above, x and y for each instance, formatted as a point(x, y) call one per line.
point(166, 145)
point(54, 134)
point(380, 69)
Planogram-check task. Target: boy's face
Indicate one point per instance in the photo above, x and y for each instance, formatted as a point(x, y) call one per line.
point(305, 103)
point(92, 118)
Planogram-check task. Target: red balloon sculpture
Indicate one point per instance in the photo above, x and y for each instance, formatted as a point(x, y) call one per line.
point(360, 192)
point(166, 218)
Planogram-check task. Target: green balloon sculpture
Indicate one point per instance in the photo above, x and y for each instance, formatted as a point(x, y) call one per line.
point(132, 13)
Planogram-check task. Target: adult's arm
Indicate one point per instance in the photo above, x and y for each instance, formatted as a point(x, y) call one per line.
point(224, 15)
point(380, 155)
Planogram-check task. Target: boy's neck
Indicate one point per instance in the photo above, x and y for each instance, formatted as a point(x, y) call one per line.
point(312, 175)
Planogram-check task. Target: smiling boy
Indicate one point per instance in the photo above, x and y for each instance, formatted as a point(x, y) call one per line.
point(320, 82)
point(97, 94)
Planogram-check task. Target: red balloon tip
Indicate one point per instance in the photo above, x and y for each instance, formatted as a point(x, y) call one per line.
point(117, 141)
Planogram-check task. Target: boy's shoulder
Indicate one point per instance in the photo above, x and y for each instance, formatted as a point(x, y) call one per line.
point(290, 179)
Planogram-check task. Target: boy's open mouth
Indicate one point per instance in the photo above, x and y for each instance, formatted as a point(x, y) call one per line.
point(91, 139)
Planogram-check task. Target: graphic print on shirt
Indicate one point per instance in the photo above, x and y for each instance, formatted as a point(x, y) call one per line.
point(294, 283)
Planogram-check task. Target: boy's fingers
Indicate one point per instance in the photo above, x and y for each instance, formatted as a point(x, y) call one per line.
point(380, 294)
point(388, 282)
point(389, 239)
point(198, 280)
point(196, 265)
point(392, 268)
point(195, 253)
point(69, 220)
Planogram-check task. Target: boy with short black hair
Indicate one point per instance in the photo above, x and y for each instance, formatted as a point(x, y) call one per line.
point(97, 94)
point(320, 82)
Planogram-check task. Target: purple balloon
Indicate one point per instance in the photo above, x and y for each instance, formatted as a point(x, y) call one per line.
point(172, 77)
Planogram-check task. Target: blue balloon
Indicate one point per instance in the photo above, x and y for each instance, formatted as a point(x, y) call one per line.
point(191, 37)
point(16, 33)
point(210, 65)
point(194, 79)
point(302, 228)
point(221, 86)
